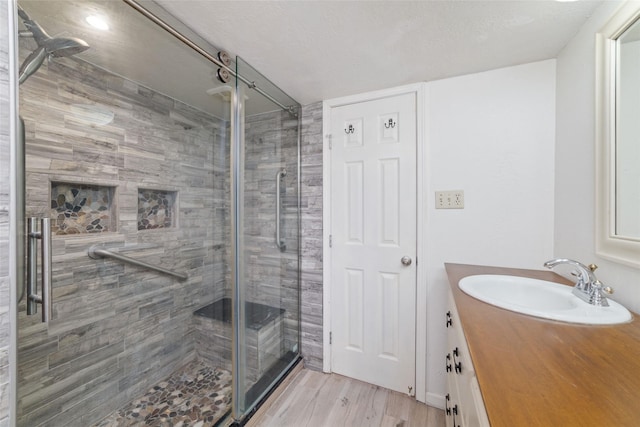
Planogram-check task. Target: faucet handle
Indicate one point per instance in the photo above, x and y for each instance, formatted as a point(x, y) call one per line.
point(602, 288)
point(596, 296)
point(593, 267)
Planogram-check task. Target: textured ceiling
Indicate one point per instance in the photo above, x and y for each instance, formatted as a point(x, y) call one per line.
point(323, 49)
point(317, 49)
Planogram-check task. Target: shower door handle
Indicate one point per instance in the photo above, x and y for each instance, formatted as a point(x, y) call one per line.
point(44, 298)
point(279, 242)
point(20, 211)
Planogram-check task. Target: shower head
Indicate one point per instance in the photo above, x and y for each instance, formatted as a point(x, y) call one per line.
point(64, 46)
point(48, 46)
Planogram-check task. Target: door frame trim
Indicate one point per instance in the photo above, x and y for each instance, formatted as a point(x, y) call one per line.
point(420, 91)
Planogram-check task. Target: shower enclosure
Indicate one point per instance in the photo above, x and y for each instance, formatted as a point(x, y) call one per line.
point(162, 195)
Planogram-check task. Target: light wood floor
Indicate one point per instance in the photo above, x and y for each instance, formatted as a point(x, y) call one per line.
point(314, 399)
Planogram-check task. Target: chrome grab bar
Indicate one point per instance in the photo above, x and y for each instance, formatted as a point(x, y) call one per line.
point(95, 252)
point(279, 242)
point(33, 299)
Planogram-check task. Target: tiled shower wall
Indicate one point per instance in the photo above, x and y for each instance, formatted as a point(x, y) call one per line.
point(311, 236)
point(271, 143)
point(118, 329)
point(5, 318)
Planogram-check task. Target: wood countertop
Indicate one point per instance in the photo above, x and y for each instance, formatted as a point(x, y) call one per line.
point(536, 372)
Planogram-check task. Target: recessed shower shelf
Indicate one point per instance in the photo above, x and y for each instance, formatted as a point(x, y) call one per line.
point(156, 209)
point(82, 208)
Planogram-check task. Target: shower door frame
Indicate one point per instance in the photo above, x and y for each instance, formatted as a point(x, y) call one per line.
point(237, 157)
point(15, 231)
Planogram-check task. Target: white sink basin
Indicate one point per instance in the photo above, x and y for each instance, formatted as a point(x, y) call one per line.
point(540, 298)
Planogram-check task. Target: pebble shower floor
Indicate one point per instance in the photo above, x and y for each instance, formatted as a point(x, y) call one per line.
point(194, 396)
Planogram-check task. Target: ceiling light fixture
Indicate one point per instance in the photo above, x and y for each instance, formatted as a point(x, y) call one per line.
point(97, 22)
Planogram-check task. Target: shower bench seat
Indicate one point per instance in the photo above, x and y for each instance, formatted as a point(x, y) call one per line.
point(264, 329)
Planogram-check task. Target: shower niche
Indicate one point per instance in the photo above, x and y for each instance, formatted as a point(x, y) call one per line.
point(82, 208)
point(156, 209)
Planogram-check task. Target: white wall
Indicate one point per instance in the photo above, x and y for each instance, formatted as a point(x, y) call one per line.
point(575, 160)
point(492, 135)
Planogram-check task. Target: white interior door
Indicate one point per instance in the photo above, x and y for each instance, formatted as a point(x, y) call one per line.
point(373, 229)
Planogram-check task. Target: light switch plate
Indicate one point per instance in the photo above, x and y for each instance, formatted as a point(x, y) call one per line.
point(451, 199)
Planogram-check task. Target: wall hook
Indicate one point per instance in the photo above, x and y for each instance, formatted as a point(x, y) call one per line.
point(390, 124)
point(350, 130)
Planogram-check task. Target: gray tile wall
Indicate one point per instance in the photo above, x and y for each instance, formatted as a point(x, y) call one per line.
point(5, 319)
point(117, 329)
point(311, 206)
point(271, 276)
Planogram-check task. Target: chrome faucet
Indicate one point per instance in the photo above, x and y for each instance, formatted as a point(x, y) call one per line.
point(588, 288)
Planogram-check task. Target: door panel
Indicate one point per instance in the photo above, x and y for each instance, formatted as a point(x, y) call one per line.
point(389, 206)
point(355, 208)
point(373, 220)
point(354, 287)
point(389, 319)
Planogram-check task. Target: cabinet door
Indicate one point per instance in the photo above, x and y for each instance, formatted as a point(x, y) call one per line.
point(453, 409)
point(465, 404)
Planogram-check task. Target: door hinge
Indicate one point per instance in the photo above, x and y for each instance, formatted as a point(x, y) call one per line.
point(328, 136)
point(330, 337)
point(330, 241)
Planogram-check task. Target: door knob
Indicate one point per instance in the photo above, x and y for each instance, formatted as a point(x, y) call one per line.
point(405, 260)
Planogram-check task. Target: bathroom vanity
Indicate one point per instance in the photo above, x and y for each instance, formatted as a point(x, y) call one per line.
point(510, 369)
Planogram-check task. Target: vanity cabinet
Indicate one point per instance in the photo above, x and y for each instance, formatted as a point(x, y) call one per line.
point(536, 372)
point(464, 406)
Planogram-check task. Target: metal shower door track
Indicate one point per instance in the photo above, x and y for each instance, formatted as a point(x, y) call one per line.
point(184, 39)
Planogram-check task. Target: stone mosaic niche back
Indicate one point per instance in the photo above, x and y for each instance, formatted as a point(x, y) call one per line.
point(156, 209)
point(82, 208)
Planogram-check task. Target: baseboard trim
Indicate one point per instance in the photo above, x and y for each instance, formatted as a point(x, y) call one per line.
point(435, 400)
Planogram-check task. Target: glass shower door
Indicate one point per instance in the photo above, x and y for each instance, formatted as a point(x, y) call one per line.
point(127, 156)
point(267, 297)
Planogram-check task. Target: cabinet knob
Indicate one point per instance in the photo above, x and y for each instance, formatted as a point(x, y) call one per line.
point(455, 412)
point(447, 409)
